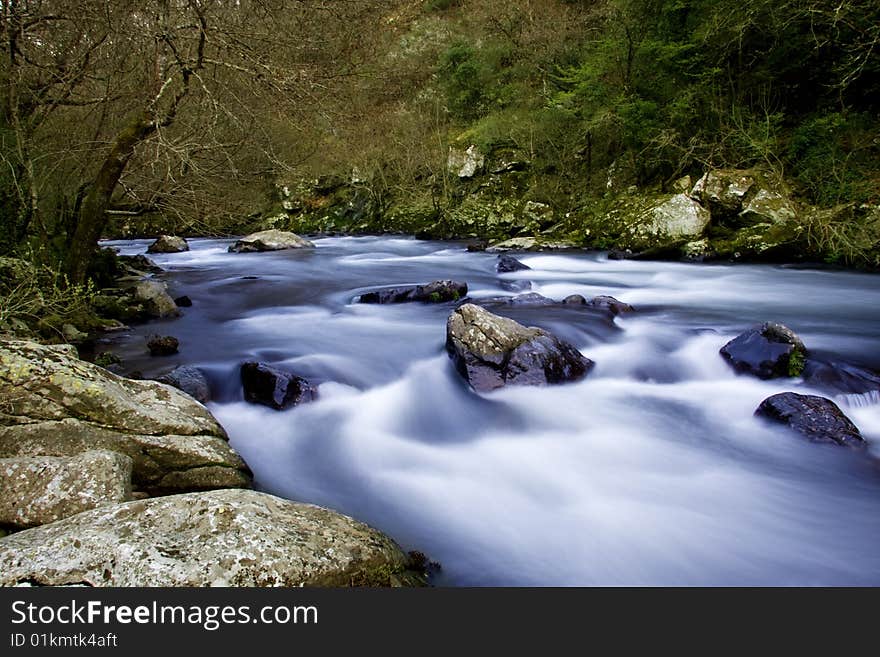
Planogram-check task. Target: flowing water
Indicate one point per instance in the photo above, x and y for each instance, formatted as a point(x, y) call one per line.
point(651, 471)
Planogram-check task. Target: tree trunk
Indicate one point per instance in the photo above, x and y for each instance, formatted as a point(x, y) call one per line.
point(93, 213)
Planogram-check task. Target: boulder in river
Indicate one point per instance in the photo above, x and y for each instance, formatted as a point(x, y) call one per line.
point(270, 240)
point(190, 380)
point(59, 405)
point(491, 351)
point(155, 299)
point(507, 263)
point(168, 244)
point(36, 490)
point(215, 538)
point(183, 302)
point(816, 418)
point(574, 300)
point(272, 387)
point(162, 345)
point(767, 351)
point(435, 292)
point(609, 304)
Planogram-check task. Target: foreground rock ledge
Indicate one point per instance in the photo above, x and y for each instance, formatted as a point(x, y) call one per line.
point(58, 405)
point(270, 240)
point(39, 490)
point(491, 351)
point(216, 538)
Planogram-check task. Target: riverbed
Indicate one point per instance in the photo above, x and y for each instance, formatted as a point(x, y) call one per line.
point(651, 471)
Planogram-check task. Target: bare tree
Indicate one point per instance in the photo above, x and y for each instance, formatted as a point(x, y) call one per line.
point(173, 91)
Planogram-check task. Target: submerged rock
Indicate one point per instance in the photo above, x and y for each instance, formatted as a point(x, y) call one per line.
point(507, 263)
point(767, 351)
point(168, 244)
point(269, 386)
point(162, 345)
point(816, 418)
point(58, 405)
point(840, 378)
point(190, 380)
point(216, 538)
point(39, 490)
point(183, 302)
point(491, 351)
point(270, 240)
point(435, 292)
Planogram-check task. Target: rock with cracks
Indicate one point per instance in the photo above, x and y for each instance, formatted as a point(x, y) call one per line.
point(58, 405)
point(491, 351)
point(216, 538)
point(39, 490)
point(816, 418)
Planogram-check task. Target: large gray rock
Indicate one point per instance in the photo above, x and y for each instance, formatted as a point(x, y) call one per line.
point(678, 217)
point(270, 240)
point(815, 418)
point(155, 299)
point(39, 490)
point(168, 244)
point(491, 351)
point(58, 405)
point(216, 538)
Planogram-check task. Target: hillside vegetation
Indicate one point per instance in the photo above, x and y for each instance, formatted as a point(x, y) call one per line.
point(562, 120)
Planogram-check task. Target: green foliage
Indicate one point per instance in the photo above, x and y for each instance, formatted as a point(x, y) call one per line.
point(832, 155)
point(796, 363)
point(461, 72)
point(37, 295)
point(442, 5)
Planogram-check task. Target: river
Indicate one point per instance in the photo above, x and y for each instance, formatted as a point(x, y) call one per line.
point(651, 471)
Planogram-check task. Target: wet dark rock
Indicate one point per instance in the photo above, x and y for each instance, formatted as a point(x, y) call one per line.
point(435, 292)
point(767, 351)
point(183, 302)
point(162, 345)
point(610, 304)
point(507, 264)
point(190, 380)
point(269, 386)
point(168, 244)
point(491, 351)
point(839, 378)
point(478, 246)
point(616, 254)
point(574, 300)
point(816, 418)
